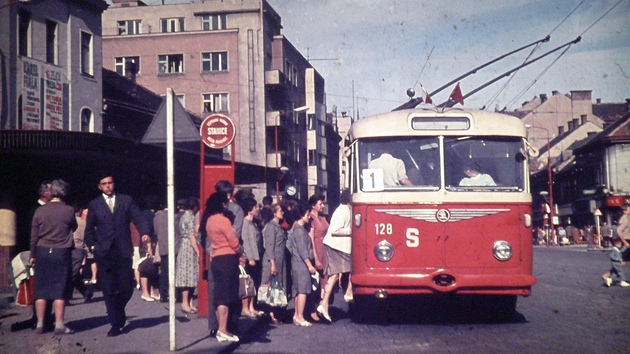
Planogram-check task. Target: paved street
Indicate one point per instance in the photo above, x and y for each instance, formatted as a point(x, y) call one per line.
point(569, 311)
point(147, 324)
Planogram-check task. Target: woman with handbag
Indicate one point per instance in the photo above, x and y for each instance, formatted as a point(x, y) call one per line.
point(225, 253)
point(251, 267)
point(301, 248)
point(148, 272)
point(275, 241)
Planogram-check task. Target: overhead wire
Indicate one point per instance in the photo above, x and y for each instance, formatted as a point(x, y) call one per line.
point(504, 86)
point(423, 67)
point(518, 96)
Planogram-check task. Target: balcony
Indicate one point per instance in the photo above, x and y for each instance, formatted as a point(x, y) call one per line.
point(272, 118)
point(274, 77)
point(282, 159)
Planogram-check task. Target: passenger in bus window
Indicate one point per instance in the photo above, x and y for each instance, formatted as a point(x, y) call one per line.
point(474, 178)
point(394, 172)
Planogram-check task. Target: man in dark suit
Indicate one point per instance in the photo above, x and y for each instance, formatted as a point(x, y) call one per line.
point(107, 230)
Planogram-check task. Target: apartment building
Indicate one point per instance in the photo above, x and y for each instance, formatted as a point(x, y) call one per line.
point(50, 99)
point(228, 57)
point(51, 67)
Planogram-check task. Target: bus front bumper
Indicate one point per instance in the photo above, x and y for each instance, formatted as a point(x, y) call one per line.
point(443, 282)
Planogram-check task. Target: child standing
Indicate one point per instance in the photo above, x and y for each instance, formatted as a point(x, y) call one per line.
point(617, 253)
point(616, 261)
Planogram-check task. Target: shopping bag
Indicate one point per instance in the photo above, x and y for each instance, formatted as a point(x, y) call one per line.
point(278, 296)
point(26, 292)
point(246, 287)
point(146, 267)
point(263, 294)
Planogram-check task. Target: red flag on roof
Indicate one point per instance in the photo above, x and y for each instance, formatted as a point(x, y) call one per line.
point(456, 95)
point(426, 98)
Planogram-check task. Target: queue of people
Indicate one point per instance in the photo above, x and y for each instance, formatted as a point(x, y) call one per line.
point(291, 244)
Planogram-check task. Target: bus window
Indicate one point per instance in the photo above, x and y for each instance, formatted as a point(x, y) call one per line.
point(399, 164)
point(483, 164)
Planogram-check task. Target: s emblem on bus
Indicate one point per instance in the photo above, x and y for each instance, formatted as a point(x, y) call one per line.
point(443, 215)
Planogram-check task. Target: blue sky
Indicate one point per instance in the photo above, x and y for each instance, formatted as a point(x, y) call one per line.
point(382, 46)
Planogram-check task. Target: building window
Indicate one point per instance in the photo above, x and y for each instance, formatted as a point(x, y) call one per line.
point(213, 22)
point(124, 64)
point(170, 64)
point(51, 42)
point(172, 25)
point(86, 54)
point(312, 122)
point(291, 72)
point(216, 61)
point(215, 102)
point(24, 36)
point(86, 120)
point(312, 158)
point(129, 27)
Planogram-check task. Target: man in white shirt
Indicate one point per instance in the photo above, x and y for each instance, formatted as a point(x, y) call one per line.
point(394, 172)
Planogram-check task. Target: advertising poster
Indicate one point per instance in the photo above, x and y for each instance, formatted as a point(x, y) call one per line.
point(31, 96)
point(53, 93)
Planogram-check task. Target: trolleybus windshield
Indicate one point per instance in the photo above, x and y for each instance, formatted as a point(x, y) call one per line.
point(453, 163)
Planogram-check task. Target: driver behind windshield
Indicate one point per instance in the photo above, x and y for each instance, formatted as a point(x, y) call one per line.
point(474, 178)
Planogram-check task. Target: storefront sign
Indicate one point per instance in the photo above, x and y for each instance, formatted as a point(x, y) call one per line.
point(31, 96)
point(617, 200)
point(53, 94)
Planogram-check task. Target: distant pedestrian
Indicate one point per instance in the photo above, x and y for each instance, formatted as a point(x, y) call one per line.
point(576, 235)
point(607, 233)
point(588, 235)
point(562, 236)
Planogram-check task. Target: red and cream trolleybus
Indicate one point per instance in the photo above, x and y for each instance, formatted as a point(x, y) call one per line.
point(441, 204)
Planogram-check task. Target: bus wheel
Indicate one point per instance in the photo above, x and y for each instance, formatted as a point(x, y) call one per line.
point(493, 308)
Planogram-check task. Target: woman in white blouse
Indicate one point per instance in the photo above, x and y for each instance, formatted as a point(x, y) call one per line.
point(337, 248)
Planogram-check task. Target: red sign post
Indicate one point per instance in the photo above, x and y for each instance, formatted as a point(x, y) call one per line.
point(217, 132)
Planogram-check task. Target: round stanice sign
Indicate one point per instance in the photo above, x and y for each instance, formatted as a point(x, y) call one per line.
point(217, 131)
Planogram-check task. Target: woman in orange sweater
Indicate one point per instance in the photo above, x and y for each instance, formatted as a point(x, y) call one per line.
point(225, 253)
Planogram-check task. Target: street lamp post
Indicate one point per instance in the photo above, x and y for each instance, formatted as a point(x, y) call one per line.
point(548, 199)
point(277, 123)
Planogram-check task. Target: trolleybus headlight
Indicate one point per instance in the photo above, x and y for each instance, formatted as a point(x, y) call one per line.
point(357, 220)
point(384, 251)
point(502, 250)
